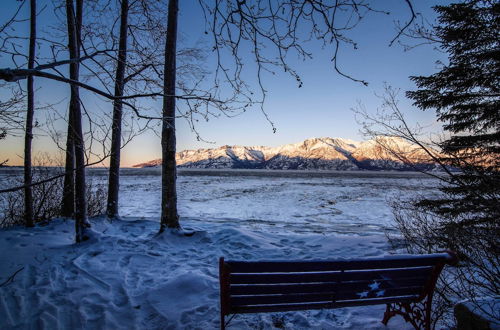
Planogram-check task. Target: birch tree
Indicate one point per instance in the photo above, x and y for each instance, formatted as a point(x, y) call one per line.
point(28, 137)
point(169, 215)
point(75, 118)
point(114, 165)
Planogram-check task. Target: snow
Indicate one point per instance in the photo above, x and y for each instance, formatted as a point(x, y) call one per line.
point(128, 277)
point(488, 308)
point(279, 200)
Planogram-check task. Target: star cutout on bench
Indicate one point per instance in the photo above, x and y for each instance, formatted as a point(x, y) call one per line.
point(380, 293)
point(374, 286)
point(363, 294)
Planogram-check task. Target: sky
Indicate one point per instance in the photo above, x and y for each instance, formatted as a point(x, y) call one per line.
point(320, 108)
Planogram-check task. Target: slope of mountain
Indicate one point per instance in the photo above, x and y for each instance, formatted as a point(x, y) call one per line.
point(316, 153)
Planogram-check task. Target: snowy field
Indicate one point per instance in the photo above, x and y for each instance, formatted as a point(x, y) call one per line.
point(126, 277)
point(277, 201)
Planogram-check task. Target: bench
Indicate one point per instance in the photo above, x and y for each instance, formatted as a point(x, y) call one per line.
point(405, 283)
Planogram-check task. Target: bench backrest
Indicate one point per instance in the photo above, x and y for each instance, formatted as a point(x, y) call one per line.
point(273, 286)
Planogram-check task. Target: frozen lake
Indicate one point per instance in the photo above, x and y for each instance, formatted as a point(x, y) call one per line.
point(298, 201)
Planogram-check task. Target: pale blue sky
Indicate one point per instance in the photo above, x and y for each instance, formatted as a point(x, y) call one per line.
point(320, 108)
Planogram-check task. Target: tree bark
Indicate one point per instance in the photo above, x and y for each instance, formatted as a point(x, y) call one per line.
point(28, 138)
point(169, 215)
point(74, 28)
point(68, 201)
point(116, 134)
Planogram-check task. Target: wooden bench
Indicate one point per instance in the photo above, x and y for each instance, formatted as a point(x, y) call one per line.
point(405, 283)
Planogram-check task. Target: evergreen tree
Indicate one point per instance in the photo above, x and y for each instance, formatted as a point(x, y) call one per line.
point(466, 96)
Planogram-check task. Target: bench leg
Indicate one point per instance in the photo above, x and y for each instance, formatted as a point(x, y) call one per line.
point(417, 314)
point(388, 314)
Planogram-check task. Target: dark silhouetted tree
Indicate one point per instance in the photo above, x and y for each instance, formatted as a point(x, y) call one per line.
point(116, 134)
point(465, 93)
point(466, 96)
point(28, 137)
point(169, 215)
point(68, 199)
point(75, 119)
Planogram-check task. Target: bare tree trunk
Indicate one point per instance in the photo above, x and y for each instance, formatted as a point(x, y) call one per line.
point(74, 28)
point(28, 138)
point(68, 201)
point(169, 216)
point(116, 134)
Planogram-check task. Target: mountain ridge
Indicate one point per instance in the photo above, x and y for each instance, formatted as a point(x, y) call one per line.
point(315, 154)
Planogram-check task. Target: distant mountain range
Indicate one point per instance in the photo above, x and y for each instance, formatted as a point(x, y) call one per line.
point(311, 154)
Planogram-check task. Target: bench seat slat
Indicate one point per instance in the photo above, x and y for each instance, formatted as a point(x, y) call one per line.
point(244, 300)
point(281, 299)
point(307, 306)
point(324, 277)
point(322, 266)
point(255, 289)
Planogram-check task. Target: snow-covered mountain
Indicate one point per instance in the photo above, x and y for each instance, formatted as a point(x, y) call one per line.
point(316, 153)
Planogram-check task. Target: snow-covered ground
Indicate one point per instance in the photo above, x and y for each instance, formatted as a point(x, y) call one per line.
point(128, 277)
point(278, 201)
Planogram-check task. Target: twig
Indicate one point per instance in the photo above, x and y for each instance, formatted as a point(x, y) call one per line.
point(11, 278)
